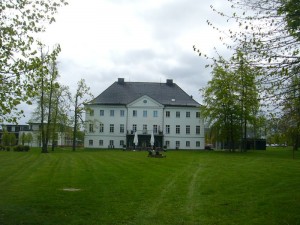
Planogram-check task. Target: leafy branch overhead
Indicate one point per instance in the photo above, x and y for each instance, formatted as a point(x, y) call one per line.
point(20, 21)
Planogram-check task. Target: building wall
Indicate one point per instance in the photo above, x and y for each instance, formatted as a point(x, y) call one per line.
point(143, 112)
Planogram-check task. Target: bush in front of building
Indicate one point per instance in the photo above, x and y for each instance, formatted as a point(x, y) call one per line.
point(21, 148)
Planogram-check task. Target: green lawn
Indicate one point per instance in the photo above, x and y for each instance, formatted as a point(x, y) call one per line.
point(116, 187)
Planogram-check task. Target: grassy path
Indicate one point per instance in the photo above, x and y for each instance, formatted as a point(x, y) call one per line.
point(115, 187)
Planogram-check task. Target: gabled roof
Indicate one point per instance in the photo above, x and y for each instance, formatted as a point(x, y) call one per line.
point(123, 93)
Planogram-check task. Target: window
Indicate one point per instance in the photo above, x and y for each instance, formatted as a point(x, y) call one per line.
point(188, 129)
point(198, 144)
point(122, 143)
point(112, 112)
point(122, 129)
point(111, 128)
point(100, 142)
point(177, 129)
point(197, 129)
point(197, 114)
point(101, 112)
point(168, 114)
point(91, 112)
point(91, 143)
point(145, 113)
point(187, 144)
point(177, 114)
point(122, 113)
point(168, 144)
point(111, 143)
point(101, 128)
point(91, 128)
point(134, 113)
point(155, 131)
point(188, 114)
point(155, 113)
point(134, 127)
point(167, 129)
point(144, 128)
point(177, 144)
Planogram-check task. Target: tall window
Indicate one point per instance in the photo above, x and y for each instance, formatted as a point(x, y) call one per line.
point(91, 112)
point(178, 114)
point(134, 113)
point(188, 129)
point(91, 142)
point(167, 129)
point(122, 113)
point(122, 128)
point(197, 129)
point(177, 129)
point(101, 128)
point(91, 128)
point(112, 112)
point(155, 131)
point(134, 127)
point(168, 113)
point(111, 143)
point(145, 113)
point(198, 144)
point(144, 128)
point(188, 114)
point(122, 143)
point(101, 112)
point(111, 128)
point(187, 144)
point(155, 113)
point(168, 144)
point(177, 144)
point(197, 114)
point(100, 142)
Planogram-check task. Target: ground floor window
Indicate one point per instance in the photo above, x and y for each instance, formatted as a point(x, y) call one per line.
point(187, 144)
point(122, 143)
point(100, 142)
point(197, 143)
point(168, 144)
point(111, 142)
point(91, 143)
point(177, 144)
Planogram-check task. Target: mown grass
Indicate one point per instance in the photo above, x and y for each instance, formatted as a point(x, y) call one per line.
point(116, 187)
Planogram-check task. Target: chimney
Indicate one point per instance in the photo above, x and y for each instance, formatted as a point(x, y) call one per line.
point(120, 80)
point(169, 82)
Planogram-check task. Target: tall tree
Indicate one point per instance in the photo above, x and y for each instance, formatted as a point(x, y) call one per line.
point(82, 96)
point(20, 20)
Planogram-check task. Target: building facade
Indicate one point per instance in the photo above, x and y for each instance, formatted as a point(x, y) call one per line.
point(161, 110)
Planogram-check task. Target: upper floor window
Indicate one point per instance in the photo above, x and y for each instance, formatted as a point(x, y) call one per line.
point(145, 113)
point(177, 129)
point(91, 112)
point(134, 127)
point(188, 129)
point(91, 128)
point(188, 114)
point(112, 112)
point(122, 113)
point(134, 113)
point(111, 128)
point(155, 130)
point(197, 114)
point(168, 114)
point(197, 129)
point(101, 112)
point(155, 113)
point(167, 129)
point(177, 114)
point(144, 128)
point(101, 128)
point(122, 128)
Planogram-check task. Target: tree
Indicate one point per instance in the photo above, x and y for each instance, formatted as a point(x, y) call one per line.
point(20, 21)
point(231, 101)
point(82, 96)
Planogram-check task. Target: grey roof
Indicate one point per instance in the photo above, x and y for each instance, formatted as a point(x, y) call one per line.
point(123, 93)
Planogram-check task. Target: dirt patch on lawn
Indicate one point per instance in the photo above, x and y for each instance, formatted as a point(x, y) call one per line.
point(71, 189)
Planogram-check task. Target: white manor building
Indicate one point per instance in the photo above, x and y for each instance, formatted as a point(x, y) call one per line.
point(126, 108)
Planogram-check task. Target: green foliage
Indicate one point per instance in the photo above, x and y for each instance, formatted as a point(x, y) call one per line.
point(231, 100)
point(19, 22)
point(21, 148)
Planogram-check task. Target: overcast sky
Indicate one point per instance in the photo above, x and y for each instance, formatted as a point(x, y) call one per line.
point(139, 40)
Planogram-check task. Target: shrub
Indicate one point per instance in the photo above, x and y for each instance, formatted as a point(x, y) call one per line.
point(21, 148)
point(7, 148)
point(2, 148)
point(26, 148)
